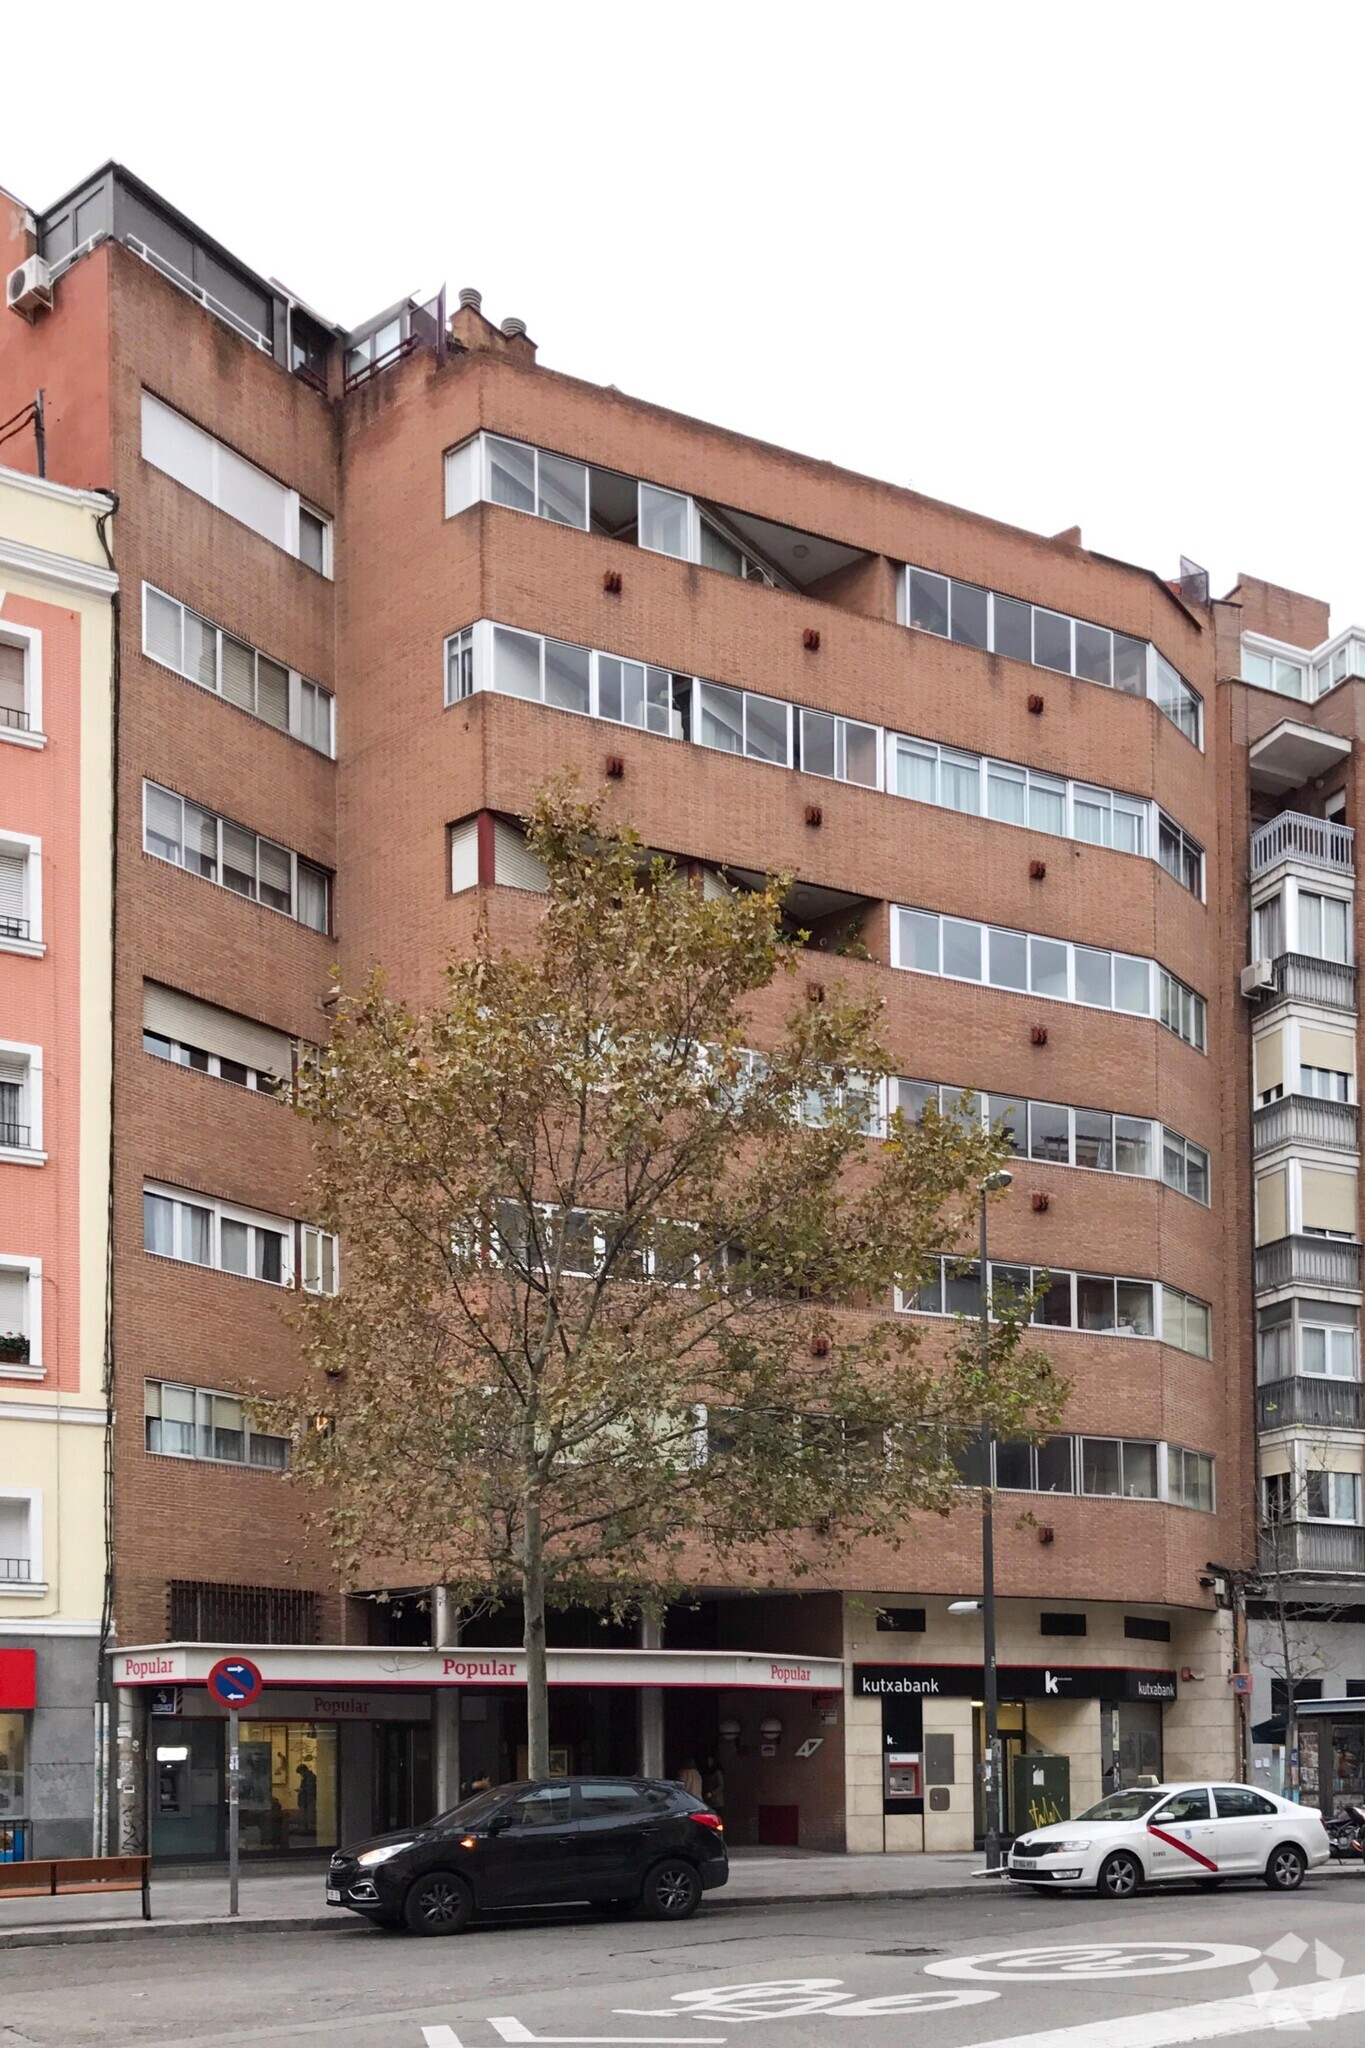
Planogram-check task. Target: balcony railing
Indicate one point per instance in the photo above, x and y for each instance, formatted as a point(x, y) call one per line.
point(16, 720)
point(13, 927)
point(16, 1137)
point(1321, 1547)
point(1309, 1262)
point(1306, 1120)
point(1294, 836)
point(1310, 980)
point(1331, 1402)
point(14, 1348)
point(13, 1568)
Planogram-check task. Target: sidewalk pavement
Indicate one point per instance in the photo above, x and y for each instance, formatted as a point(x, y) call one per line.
point(282, 1901)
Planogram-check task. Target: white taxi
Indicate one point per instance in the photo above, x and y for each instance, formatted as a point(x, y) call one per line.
point(1157, 1834)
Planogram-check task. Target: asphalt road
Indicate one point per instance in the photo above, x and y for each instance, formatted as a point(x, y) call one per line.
point(1012, 1971)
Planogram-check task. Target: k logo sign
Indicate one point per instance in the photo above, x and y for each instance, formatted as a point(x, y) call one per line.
point(1053, 1681)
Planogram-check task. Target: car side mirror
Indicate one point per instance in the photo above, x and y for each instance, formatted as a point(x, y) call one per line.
point(499, 1824)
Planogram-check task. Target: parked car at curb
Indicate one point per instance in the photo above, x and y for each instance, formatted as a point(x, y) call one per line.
point(613, 1844)
point(1160, 1834)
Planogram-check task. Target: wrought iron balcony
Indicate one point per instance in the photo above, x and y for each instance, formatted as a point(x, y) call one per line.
point(16, 720)
point(1306, 1120)
point(1333, 1403)
point(1303, 976)
point(14, 1348)
point(13, 927)
point(15, 1568)
point(1308, 1262)
point(1326, 1548)
point(16, 1137)
point(1318, 842)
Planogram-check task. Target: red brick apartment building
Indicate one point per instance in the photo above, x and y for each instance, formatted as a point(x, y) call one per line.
point(374, 585)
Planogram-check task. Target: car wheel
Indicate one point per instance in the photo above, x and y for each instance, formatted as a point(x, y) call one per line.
point(1285, 1870)
point(671, 1890)
point(439, 1903)
point(1120, 1876)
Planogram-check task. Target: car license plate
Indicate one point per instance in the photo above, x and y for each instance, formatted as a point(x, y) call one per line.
point(333, 1895)
point(1023, 1863)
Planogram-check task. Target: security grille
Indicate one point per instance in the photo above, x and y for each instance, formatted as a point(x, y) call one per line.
point(199, 1612)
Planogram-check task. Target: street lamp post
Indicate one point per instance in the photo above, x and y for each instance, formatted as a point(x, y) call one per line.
point(991, 1785)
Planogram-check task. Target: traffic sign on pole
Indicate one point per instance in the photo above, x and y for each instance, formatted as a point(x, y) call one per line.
point(234, 1682)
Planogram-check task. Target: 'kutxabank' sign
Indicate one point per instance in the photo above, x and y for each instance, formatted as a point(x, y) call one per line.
point(1014, 1682)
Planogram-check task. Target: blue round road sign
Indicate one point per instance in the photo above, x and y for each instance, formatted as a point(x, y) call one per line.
point(234, 1682)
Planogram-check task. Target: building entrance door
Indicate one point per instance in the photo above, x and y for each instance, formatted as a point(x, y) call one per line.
point(402, 1774)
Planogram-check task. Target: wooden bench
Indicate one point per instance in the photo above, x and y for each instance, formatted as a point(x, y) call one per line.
point(52, 1878)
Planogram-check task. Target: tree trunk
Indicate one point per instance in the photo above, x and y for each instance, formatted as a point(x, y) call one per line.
point(533, 1637)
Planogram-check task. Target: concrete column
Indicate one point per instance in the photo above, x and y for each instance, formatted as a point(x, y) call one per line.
point(131, 1786)
point(445, 1706)
point(651, 1708)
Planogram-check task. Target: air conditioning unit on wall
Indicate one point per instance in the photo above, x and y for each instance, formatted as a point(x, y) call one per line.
point(1259, 978)
point(28, 290)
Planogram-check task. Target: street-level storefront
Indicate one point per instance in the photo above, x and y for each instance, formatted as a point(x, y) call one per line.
point(1331, 1746)
point(344, 1741)
point(1043, 1709)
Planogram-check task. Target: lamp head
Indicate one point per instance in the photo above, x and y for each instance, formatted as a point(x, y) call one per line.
point(1002, 1178)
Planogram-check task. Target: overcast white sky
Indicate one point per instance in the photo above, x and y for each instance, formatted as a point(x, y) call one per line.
point(1062, 263)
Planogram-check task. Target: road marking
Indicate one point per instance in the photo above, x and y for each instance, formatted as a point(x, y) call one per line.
point(1296, 2005)
point(440, 2037)
point(1095, 1961)
point(787, 1998)
point(513, 2030)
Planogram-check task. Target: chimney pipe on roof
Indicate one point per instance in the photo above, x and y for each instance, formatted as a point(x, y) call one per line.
point(469, 297)
point(512, 326)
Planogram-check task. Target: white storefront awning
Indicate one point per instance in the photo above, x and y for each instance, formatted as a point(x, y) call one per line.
point(327, 1665)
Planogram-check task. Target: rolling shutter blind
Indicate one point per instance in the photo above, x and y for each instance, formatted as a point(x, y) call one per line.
point(172, 443)
point(1270, 1208)
point(161, 620)
point(1268, 1059)
point(1329, 1200)
point(13, 1300)
point(464, 856)
point(11, 885)
point(191, 1022)
point(1334, 1050)
point(514, 864)
point(11, 676)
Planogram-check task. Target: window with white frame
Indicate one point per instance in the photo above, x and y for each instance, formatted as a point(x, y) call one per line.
point(1324, 926)
point(1104, 1304)
point(21, 1308)
point(960, 949)
point(568, 677)
point(200, 1231)
point(317, 1260)
point(21, 1102)
point(21, 893)
point(208, 655)
point(21, 1542)
point(1329, 1084)
point(1059, 1134)
point(197, 1422)
point(235, 857)
point(213, 471)
point(1327, 1351)
point(1331, 1496)
point(1288, 677)
point(988, 619)
point(1121, 1467)
point(21, 684)
point(221, 1043)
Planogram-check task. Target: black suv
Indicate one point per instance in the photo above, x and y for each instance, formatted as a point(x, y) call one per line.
point(612, 1843)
